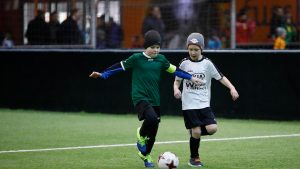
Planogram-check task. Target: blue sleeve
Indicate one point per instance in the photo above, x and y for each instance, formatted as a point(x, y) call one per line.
point(112, 70)
point(183, 74)
point(114, 66)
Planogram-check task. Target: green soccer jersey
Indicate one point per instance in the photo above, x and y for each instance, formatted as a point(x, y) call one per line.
point(146, 74)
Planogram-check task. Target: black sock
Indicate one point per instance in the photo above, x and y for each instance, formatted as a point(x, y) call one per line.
point(194, 146)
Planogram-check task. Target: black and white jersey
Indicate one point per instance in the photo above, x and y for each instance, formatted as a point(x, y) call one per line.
point(198, 96)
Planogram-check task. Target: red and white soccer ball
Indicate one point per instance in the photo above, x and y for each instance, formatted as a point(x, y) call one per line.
point(168, 160)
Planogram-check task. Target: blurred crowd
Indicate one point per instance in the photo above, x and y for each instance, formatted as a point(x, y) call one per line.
point(109, 34)
point(282, 29)
point(39, 32)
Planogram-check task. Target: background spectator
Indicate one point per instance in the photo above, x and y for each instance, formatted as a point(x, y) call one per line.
point(277, 20)
point(291, 31)
point(53, 27)
point(38, 30)
point(101, 32)
point(7, 41)
point(136, 43)
point(214, 42)
point(114, 34)
point(153, 21)
point(69, 32)
point(245, 28)
point(279, 42)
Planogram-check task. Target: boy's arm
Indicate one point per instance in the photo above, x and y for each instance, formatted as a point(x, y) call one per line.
point(233, 92)
point(183, 74)
point(177, 92)
point(108, 72)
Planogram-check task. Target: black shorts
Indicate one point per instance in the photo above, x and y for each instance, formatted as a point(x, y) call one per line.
point(141, 108)
point(198, 117)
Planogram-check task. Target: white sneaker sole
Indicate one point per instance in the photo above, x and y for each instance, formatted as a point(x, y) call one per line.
point(196, 166)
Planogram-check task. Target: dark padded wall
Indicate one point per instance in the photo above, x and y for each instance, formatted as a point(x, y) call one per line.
point(268, 82)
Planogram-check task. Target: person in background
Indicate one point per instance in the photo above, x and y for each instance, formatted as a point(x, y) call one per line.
point(38, 30)
point(69, 32)
point(153, 21)
point(214, 42)
point(291, 30)
point(114, 34)
point(136, 42)
point(53, 27)
point(245, 28)
point(7, 41)
point(101, 32)
point(280, 42)
point(277, 20)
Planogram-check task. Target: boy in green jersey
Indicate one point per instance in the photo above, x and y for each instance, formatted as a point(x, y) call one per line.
point(146, 73)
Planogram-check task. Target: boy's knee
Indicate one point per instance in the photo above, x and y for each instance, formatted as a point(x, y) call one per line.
point(211, 129)
point(196, 132)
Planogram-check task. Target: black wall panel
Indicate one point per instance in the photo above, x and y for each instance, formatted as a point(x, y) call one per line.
point(268, 82)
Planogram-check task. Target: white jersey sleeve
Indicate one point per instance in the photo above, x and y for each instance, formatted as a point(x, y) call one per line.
point(214, 72)
point(182, 66)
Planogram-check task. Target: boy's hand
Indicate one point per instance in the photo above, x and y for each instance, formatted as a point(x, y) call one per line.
point(95, 75)
point(234, 94)
point(177, 93)
point(196, 80)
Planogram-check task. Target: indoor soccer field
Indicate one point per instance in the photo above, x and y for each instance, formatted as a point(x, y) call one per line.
point(48, 140)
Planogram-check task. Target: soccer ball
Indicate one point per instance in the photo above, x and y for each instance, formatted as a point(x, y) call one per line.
point(168, 160)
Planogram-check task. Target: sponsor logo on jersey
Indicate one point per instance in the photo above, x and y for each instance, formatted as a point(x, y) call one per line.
point(192, 86)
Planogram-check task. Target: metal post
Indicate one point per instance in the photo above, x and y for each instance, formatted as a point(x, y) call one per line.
point(106, 10)
point(233, 24)
point(93, 6)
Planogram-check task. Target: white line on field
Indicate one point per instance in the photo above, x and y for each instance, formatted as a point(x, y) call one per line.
point(162, 142)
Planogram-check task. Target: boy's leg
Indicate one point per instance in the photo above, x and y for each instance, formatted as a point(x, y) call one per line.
point(149, 128)
point(147, 132)
point(196, 133)
point(194, 147)
point(195, 141)
point(209, 124)
point(193, 123)
point(142, 140)
point(210, 129)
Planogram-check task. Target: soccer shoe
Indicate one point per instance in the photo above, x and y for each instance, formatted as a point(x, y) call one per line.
point(195, 162)
point(147, 160)
point(141, 143)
